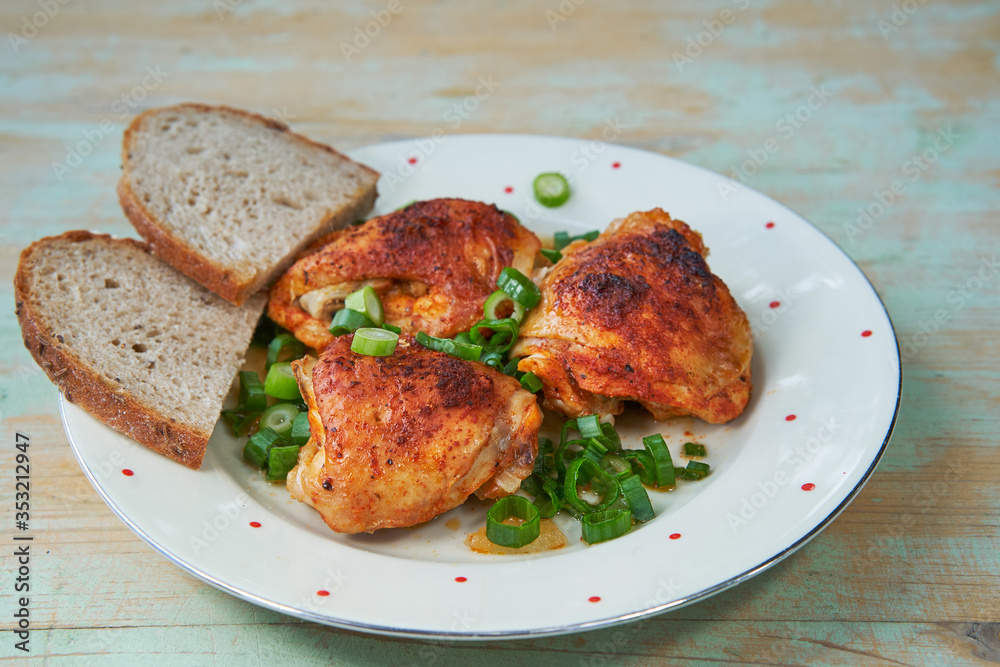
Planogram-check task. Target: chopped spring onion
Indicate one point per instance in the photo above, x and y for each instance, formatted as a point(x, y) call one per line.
point(366, 302)
point(607, 525)
point(636, 497)
point(563, 239)
point(280, 460)
point(240, 422)
point(502, 339)
point(252, 402)
point(615, 465)
point(647, 469)
point(455, 348)
point(543, 461)
point(563, 455)
point(374, 342)
point(551, 255)
point(392, 327)
point(280, 382)
point(531, 484)
point(252, 396)
point(551, 189)
point(507, 535)
point(347, 320)
point(279, 418)
point(694, 449)
point(259, 444)
point(552, 500)
point(519, 287)
point(595, 451)
point(696, 470)
point(589, 426)
point(583, 471)
point(663, 465)
point(493, 359)
point(284, 342)
point(568, 425)
point(496, 300)
point(611, 438)
point(531, 382)
point(511, 366)
point(300, 429)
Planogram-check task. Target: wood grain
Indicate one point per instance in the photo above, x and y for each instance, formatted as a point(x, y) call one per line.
point(909, 574)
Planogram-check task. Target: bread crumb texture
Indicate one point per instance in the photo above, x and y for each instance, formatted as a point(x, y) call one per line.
point(143, 328)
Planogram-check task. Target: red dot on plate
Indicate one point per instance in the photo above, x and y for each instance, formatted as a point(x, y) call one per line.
point(461, 580)
point(594, 598)
point(255, 524)
point(616, 165)
point(790, 418)
point(322, 594)
point(675, 536)
point(775, 304)
point(770, 225)
point(412, 160)
point(127, 472)
point(866, 333)
point(508, 189)
point(808, 486)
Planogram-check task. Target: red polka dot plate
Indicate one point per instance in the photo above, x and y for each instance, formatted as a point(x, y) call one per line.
point(825, 352)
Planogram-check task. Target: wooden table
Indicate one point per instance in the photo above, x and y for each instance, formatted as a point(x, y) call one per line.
point(853, 93)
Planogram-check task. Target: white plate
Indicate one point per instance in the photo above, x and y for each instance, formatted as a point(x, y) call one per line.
point(825, 352)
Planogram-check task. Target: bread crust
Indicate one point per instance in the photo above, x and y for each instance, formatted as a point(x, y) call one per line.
point(173, 250)
point(88, 389)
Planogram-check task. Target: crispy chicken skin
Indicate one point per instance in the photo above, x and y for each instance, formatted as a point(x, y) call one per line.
point(637, 315)
point(433, 264)
point(398, 440)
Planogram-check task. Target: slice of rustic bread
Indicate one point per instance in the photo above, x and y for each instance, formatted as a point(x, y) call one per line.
point(230, 198)
point(139, 346)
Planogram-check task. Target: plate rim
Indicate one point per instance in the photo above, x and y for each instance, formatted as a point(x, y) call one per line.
point(553, 630)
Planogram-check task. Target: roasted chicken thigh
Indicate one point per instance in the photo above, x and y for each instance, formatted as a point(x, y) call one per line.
point(397, 440)
point(636, 315)
point(433, 264)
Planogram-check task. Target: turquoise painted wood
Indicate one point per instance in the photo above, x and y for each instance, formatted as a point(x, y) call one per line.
point(875, 120)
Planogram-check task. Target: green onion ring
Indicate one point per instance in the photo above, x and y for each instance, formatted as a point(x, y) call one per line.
point(259, 444)
point(455, 348)
point(519, 287)
point(252, 396)
point(583, 470)
point(281, 383)
point(603, 526)
point(504, 334)
point(366, 302)
point(497, 299)
point(636, 497)
point(280, 460)
point(531, 382)
point(663, 465)
point(514, 537)
point(300, 429)
point(551, 255)
point(374, 342)
point(279, 418)
point(281, 343)
point(551, 189)
point(347, 320)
